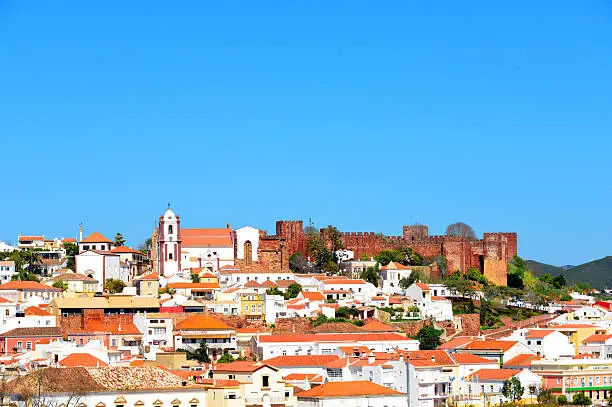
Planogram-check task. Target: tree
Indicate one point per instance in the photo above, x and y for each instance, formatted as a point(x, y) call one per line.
point(317, 248)
point(146, 246)
point(387, 256)
point(226, 358)
point(559, 282)
point(195, 278)
point(546, 397)
point(440, 260)
point(274, 291)
point(71, 249)
point(297, 262)
point(331, 267)
point(200, 354)
point(119, 240)
point(460, 229)
point(581, 400)
point(429, 337)
point(292, 291)
point(513, 389)
point(61, 284)
point(474, 274)
point(347, 312)
point(562, 400)
point(516, 272)
point(114, 286)
point(32, 259)
point(404, 283)
point(333, 237)
point(370, 275)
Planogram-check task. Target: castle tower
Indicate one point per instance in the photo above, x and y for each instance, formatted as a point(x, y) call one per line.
point(169, 243)
point(414, 233)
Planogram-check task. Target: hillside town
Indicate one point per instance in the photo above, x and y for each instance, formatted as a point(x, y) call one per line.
point(206, 317)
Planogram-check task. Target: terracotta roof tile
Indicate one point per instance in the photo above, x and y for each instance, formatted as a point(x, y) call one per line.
point(469, 359)
point(539, 333)
point(194, 286)
point(298, 360)
point(206, 237)
point(202, 322)
point(493, 374)
point(301, 377)
point(339, 337)
point(434, 357)
point(394, 266)
point(241, 366)
point(27, 285)
point(522, 360)
point(96, 237)
point(348, 389)
point(36, 311)
point(81, 359)
point(377, 326)
point(597, 338)
point(490, 345)
point(313, 295)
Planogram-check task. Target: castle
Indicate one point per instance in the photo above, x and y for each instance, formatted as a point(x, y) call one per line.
point(490, 254)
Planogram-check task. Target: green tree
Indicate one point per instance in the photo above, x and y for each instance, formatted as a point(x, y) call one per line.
point(546, 278)
point(429, 337)
point(32, 259)
point(580, 399)
point(559, 282)
point(226, 358)
point(546, 397)
point(200, 354)
point(331, 267)
point(71, 249)
point(119, 240)
point(474, 274)
point(460, 229)
point(333, 238)
point(347, 312)
point(274, 291)
point(146, 246)
point(487, 316)
point(292, 291)
point(114, 286)
point(317, 247)
point(516, 272)
point(370, 275)
point(61, 284)
point(297, 263)
point(513, 389)
point(442, 265)
point(387, 256)
point(195, 278)
point(562, 400)
point(404, 283)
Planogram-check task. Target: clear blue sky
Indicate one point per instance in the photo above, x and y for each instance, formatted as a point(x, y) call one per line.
point(498, 114)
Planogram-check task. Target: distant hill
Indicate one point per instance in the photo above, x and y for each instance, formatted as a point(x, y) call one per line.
point(598, 273)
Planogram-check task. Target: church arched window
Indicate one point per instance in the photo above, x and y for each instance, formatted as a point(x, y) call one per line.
point(248, 253)
point(170, 230)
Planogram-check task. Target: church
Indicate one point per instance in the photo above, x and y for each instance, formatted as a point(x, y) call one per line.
point(176, 249)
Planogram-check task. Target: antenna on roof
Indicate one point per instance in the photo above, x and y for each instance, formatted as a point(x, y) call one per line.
point(168, 205)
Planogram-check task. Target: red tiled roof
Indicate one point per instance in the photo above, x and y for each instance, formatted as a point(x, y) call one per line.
point(268, 283)
point(457, 342)
point(206, 237)
point(81, 359)
point(36, 311)
point(493, 374)
point(252, 284)
point(22, 238)
point(202, 322)
point(596, 338)
point(241, 366)
point(311, 377)
point(377, 326)
point(298, 360)
point(313, 295)
point(348, 337)
point(218, 383)
point(469, 359)
point(490, 344)
point(573, 326)
point(604, 304)
point(343, 281)
point(422, 286)
point(194, 286)
point(68, 240)
point(284, 283)
point(348, 389)
point(521, 360)
point(113, 326)
point(434, 357)
point(27, 285)
point(125, 249)
point(538, 333)
point(150, 276)
point(96, 237)
point(5, 301)
point(394, 266)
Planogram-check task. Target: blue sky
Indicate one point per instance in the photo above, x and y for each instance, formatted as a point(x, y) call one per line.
point(349, 113)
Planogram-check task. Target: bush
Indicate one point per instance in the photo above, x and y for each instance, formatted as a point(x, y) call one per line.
point(562, 400)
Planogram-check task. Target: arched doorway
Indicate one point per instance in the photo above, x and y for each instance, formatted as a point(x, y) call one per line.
point(248, 253)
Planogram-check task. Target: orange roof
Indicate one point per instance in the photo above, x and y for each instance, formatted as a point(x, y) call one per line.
point(395, 266)
point(490, 345)
point(96, 237)
point(343, 281)
point(27, 285)
point(4, 301)
point(284, 283)
point(538, 333)
point(150, 276)
point(68, 240)
point(573, 326)
point(252, 284)
point(597, 338)
point(203, 323)
point(36, 311)
point(111, 325)
point(311, 377)
point(422, 286)
point(434, 357)
point(343, 337)
point(375, 325)
point(268, 283)
point(125, 249)
point(299, 360)
point(206, 237)
point(31, 238)
point(313, 295)
point(457, 342)
point(207, 275)
point(469, 359)
point(81, 360)
point(348, 389)
point(195, 286)
point(351, 350)
point(218, 383)
point(493, 374)
point(241, 366)
point(521, 360)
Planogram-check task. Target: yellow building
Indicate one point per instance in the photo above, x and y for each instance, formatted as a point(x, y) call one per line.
point(578, 332)
point(76, 284)
point(148, 285)
point(252, 306)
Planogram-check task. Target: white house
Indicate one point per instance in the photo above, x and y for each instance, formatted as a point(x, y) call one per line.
point(5, 247)
point(599, 345)
point(156, 328)
point(100, 266)
point(486, 385)
point(229, 276)
point(346, 288)
point(96, 241)
point(391, 274)
point(7, 270)
point(549, 343)
point(436, 307)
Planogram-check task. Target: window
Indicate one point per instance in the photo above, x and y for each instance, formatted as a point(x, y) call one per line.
point(597, 380)
point(265, 380)
point(259, 309)
point(253, 308)
point(538, 342)
point(558, 380)
point(170, 256)
point(19, 345)
point(6, 312)
point(28, 345)
point(231, 376)
point(149, 284)
point(246, 308)
point(286, 394)
point(284, 353)
point(528, 342)
point(170, 230)
point(248, 253)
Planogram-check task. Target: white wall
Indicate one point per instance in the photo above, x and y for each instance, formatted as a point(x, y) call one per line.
point(244, 234)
